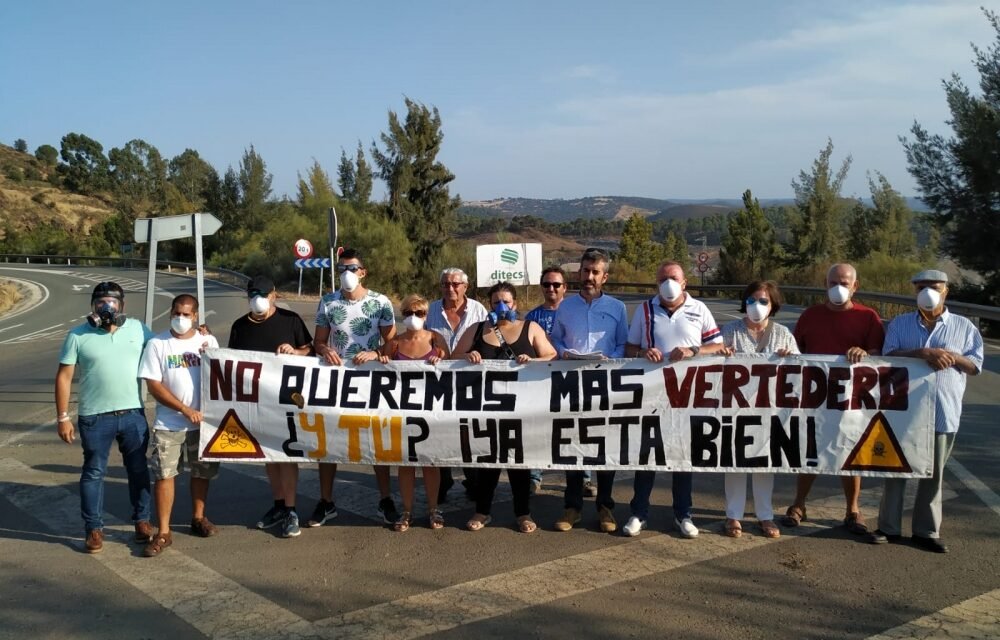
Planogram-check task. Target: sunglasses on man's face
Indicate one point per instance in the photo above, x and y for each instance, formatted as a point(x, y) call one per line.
point(552, 285)
point(756, 300)
point(257, 293)
point(420, 313)
point(353, 268)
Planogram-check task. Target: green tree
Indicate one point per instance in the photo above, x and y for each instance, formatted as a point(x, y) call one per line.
point(47, 155)
point(637, 248)
point(894, 235)
point(138, 176)
point(345, 177)
point(193, 177)
point(959, 177)
point(863, 232)
point(363, 179)
point(418, 183)
point(85, 167)
point(749, 249)
point(675, 248)
point(316, 192)
point(255, 190)
point(816, 235)
point(21, 145)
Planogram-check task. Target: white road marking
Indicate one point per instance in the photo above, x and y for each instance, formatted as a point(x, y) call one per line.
point(44, 296)
point(974, 619)
point(11, 327)
point(977, 486)
point(30, 334)
point(212, 603)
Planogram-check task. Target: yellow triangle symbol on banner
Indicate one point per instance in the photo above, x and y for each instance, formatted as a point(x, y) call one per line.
point(877, 449)
point(232, 440)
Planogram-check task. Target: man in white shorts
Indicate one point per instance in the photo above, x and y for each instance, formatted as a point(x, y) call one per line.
point(171, 366)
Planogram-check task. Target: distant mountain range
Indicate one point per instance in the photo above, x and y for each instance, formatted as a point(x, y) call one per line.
point(618, 207)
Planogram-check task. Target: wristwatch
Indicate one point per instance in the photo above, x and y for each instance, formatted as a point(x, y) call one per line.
point(694, 350)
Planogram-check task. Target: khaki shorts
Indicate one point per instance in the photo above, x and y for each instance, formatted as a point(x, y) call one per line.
point(170, 448)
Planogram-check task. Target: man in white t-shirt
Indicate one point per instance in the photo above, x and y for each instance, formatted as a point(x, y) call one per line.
point(672, 326)
point(351, 325)
point(171, 366)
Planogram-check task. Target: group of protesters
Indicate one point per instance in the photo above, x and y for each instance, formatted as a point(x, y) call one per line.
point(355, 325)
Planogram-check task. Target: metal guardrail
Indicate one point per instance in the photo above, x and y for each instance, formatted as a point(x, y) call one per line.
point(886, 301)
point(227, 276)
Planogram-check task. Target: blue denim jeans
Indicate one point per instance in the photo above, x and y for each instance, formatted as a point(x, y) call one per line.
point(680, 486)
point(96, 435)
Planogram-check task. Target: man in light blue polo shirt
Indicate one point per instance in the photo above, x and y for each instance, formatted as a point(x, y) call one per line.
point(108, 347)
point(953, 347)
point(590, 323)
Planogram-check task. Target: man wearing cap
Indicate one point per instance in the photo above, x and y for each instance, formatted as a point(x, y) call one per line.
point(953, 347)
point(108, 348)
point(839, 327)
point(451, 316)
point(271, 329)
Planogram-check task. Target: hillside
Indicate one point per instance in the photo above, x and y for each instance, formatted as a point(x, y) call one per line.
point(27, 200)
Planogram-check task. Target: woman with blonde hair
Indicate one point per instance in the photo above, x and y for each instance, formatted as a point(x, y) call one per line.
point(416, 343)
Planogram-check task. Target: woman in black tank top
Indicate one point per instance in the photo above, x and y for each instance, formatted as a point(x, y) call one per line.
point(504, 337)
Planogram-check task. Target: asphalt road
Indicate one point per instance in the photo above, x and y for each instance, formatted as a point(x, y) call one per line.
point(355, 578)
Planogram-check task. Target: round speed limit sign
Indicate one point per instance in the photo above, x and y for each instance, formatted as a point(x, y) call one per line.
point(702, 268)
point(303, 248)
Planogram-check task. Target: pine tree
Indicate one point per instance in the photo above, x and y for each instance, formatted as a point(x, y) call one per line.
point(637, 248)
point(418, 183)
point(749, 249)
point(363, 179)
point(959, 177)
point(816, 235)
point(345, 177)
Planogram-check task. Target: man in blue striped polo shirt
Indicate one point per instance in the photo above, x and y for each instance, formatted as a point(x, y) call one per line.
point(953, 347)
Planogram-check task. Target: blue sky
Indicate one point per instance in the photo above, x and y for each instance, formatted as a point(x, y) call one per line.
point(538, 99)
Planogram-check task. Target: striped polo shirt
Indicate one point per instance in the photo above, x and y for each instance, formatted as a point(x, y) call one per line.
point(951, 332)
point(691, 325)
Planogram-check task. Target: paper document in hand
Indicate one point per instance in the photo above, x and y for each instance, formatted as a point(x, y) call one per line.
point(573, 354)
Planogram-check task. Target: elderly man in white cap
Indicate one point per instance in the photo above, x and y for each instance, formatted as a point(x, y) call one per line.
point(953, 347)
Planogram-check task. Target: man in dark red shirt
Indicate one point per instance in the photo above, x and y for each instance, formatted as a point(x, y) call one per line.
point(838, 326)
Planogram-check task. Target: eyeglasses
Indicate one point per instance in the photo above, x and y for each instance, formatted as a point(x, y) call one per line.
point(452, 285)
point(353, 268)
point(420, 313)
point(253, 293)
point(752, 300)
point(552, 285)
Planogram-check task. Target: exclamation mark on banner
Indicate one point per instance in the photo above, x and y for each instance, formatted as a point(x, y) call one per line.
point(812, 460)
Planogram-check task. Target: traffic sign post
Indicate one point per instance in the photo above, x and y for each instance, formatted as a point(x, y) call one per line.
point(192, 225)
point(334, 250)
point(703, 266)
point(303, 249)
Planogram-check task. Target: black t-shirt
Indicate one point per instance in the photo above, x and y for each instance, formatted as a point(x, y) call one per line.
point(283, 326)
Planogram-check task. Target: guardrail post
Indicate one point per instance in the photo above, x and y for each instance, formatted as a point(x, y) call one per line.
point(187, 271)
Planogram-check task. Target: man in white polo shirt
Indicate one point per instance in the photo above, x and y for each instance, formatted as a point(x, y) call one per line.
point(671, 326)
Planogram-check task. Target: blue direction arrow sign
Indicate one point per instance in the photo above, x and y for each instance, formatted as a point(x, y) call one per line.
point(312, 263)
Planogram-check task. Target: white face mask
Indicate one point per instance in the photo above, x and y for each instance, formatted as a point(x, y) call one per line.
point(757, 312)
point(413, 323)
point(181, 324)
point(670, 290)
point(928, 299)
point(259, 304)
point(349, 281)
point(838, 294)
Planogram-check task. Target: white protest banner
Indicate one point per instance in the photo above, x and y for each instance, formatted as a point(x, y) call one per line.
point(518, 264)
point(808, 414)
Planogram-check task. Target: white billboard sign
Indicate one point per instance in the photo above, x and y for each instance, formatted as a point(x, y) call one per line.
point(518, 264)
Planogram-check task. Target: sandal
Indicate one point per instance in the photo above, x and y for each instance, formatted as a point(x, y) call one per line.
point(856, 524)
point(436, 519)
point(733, 528)
point(794, 516)
point(477, 522)
point(526, 525)
point(403, 524)
point(769, 529)
point(203, 527)
point(156, 546)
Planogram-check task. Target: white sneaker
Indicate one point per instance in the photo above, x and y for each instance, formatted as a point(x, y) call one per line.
point(634, 526)
point(686, 527)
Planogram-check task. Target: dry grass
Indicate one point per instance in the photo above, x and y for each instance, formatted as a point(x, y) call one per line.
point(10, 295)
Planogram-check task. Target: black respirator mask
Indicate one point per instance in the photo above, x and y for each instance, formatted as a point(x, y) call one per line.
point(106, 304)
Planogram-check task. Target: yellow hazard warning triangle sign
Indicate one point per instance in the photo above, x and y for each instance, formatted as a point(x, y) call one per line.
point(232, 440)
point(877, 449)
